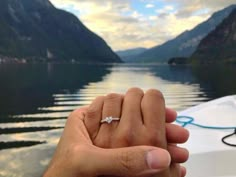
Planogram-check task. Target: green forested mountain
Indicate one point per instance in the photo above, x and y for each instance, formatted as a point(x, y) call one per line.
point(35, 29)
point(186, 43)
point(219, 45)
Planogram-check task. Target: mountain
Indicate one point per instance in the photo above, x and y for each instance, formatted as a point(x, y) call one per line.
point(186, 43)
point(219, 45)
point(125, 55)
point(35, 29)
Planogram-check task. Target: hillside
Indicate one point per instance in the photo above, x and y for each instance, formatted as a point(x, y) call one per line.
point(186, 43)
point(125, 55)
point(35, 29)
point(219, 45)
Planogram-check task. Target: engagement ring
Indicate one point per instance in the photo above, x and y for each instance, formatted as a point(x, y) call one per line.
point(109, 119)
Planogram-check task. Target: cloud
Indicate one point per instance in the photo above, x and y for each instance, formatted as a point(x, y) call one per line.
point(188, 8)
point(150, 5)
point(124, 24)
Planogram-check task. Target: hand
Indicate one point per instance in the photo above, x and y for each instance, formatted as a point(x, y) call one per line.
point(142, 123)
point(76, 156)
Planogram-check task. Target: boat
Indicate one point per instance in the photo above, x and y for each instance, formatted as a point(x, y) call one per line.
point(212, 142)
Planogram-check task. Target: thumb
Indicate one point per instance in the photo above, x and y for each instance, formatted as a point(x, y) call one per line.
point(131, 161)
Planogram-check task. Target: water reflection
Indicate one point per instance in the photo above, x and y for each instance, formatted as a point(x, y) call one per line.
point(34, 161)
point(219, 78)
point(24, 88)
point(36, 99)
point(180, 92)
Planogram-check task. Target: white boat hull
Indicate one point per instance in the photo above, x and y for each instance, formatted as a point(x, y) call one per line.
point(209, 157)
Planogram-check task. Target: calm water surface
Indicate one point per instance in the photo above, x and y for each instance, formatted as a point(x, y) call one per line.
point(36, 99)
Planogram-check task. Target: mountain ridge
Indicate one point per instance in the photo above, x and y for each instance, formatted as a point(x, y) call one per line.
point(125, 55)
point(185, 43)
point(219, 45)
point(37, 30)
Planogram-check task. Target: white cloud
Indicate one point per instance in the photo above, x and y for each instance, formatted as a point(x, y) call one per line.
point(152, 17)
point(187, 8)
point(150, 5)
point(124, 27)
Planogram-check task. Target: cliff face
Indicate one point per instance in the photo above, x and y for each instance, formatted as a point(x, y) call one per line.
point(220, 44)
point(36, 29)
point(186, 43)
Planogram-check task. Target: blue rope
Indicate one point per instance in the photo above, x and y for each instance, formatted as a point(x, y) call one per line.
point(187, 120)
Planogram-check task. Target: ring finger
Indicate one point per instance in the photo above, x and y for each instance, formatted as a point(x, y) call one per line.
point(111, 108)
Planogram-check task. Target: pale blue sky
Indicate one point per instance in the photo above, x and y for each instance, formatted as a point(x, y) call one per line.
point(125, 24)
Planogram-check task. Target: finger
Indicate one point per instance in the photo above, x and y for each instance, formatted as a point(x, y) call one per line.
point(170, 115)
point(93, 117)
point(111, 108)
point(175, 170)
point(131, 161)
point(75, 128)
point(178, 154)
point(153, 109)
point(131, 109)
point(176, 134)
point(183, 171)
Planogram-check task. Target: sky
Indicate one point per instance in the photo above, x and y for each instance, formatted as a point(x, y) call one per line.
point(126, 24)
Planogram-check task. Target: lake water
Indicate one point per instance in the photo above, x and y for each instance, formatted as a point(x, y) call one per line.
point(36, 99)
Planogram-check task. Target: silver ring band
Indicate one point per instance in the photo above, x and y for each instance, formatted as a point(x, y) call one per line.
point(109, 119)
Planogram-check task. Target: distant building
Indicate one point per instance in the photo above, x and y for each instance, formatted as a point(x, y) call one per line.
point(49, 54)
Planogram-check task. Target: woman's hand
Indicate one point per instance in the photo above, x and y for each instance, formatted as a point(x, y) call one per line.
point(143, 122)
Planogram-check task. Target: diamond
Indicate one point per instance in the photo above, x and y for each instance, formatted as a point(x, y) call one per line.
point(109, 120)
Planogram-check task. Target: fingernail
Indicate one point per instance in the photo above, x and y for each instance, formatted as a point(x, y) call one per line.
point(158, 159)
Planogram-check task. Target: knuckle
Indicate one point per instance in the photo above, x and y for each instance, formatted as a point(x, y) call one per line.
point(157, 139)
point(155, 93)
point(102, 142)
point(136, 91)
point(112, 97)
point(153, 139)
point(127, 160)
point(92, 112)
point(125, 138)
point(100, 98)
point(74, 115)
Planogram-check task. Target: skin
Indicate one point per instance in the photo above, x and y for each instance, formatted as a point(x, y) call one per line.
point(143, 122)
point(133, 146)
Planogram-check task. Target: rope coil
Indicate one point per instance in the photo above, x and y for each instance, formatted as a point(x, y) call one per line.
point(227, 136)
point(187, 120)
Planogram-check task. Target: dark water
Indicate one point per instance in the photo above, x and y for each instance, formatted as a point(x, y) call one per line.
point(36, 99)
